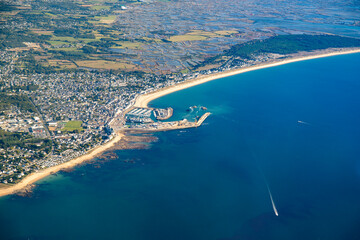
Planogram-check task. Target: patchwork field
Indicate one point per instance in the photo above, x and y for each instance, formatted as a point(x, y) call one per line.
point(126, 44)
point(106, 19)
point(198, 35)
point(103, 64)
point(187, 37)
point(62, 64)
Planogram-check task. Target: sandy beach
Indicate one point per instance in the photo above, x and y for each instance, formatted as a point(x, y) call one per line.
point(143, 100)
point(34, 177)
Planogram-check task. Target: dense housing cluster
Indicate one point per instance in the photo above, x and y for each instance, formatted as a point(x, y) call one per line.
point(69, 70)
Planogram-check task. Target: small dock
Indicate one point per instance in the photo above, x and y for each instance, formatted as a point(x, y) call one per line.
point(163, 114)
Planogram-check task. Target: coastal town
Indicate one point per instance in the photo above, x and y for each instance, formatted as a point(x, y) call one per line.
point(63, 96)
point(77, 111)
point(179, 119)
point(68, 114)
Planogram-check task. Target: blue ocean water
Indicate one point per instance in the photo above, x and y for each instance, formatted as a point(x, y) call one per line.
point(294, 128)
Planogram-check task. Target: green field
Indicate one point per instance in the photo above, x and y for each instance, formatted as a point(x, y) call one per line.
point(106, 19)
point(70, 39)
point(187, 37)
point(130, 45)
point(72, 126)
point(100, 7)
point(72, 49)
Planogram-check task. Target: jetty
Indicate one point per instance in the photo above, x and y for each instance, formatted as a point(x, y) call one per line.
point(202, 119)
point(173, 125)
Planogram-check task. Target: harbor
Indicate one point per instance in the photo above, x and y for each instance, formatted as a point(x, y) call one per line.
point(151, 119)
point(173, 125)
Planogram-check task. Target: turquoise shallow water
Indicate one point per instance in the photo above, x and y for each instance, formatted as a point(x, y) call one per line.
point(210, 182)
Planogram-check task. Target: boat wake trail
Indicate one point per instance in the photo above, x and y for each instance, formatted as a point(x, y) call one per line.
point(267, 186)
point(305, 123)
point(272, 201)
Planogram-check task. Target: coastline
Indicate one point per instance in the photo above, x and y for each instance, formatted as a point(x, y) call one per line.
point(142, 101)
point(36, 176)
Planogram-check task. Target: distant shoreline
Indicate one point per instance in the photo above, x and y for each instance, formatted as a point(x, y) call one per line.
point(143, 101)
